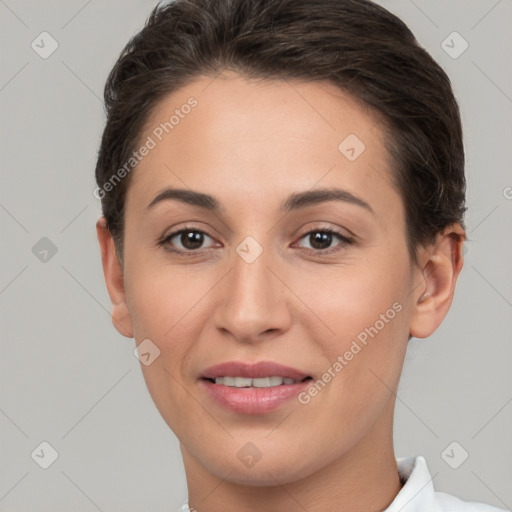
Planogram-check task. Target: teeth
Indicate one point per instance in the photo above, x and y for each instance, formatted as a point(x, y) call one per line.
point(276, 381)
point(262, 382)
point(242, 382)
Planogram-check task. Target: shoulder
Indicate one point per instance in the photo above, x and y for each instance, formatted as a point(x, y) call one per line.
point(449, 503)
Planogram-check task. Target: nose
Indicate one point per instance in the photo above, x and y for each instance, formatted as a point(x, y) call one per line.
point(252, 303)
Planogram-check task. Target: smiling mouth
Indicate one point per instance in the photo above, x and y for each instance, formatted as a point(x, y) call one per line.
point(257, 388)
point(261, 382)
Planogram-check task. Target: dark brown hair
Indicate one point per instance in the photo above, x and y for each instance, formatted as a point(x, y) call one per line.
point(355, 44)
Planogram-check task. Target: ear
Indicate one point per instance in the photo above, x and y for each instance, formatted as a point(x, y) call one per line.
point(114, 280)
point(440, 266)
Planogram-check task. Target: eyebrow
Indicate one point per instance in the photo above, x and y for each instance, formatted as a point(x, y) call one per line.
point(295, 201)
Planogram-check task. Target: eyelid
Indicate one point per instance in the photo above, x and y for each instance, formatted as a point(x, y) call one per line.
point(342, 232)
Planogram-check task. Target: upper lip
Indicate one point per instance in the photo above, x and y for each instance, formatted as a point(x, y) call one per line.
point(252, 371)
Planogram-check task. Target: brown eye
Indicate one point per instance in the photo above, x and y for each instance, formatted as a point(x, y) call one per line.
point(185, 240)
point(321, 239)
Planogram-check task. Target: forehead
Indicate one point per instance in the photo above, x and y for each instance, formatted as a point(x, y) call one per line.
point(244, 139)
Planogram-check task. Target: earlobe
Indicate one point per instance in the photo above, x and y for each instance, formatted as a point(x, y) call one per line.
point(114, 280)
point(440, 268)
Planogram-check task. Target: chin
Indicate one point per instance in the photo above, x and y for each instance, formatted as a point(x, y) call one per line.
point(268, 471)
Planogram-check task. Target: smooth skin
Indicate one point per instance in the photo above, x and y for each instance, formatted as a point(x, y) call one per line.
point(251, 144)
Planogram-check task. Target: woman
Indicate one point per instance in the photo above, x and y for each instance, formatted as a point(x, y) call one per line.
point(283, 193)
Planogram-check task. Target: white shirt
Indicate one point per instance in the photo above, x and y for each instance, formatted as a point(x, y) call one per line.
point(418, 494)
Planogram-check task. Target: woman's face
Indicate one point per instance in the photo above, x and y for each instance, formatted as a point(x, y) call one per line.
point(258, 280)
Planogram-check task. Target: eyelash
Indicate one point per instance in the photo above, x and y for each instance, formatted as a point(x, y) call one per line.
point(164, 242)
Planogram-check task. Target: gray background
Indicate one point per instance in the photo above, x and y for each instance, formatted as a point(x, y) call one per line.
point(68, 378)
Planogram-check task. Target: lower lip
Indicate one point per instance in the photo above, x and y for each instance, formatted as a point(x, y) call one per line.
point(253, 400)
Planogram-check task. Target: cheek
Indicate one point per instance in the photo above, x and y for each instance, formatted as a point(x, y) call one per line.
point(362, 360)
point(165, 305)
point(353, 298)
point(365, 311)
point(162, 300)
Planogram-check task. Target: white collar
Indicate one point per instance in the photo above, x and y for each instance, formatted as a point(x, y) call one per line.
point(417, 494)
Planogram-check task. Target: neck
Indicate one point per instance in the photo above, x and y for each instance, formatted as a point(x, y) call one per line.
point(364, 479)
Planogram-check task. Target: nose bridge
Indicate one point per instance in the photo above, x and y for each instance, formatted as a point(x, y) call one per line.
point(250, 276)
point(252, 301)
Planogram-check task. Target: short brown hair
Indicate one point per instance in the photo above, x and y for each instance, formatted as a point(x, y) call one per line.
point(355, 44)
